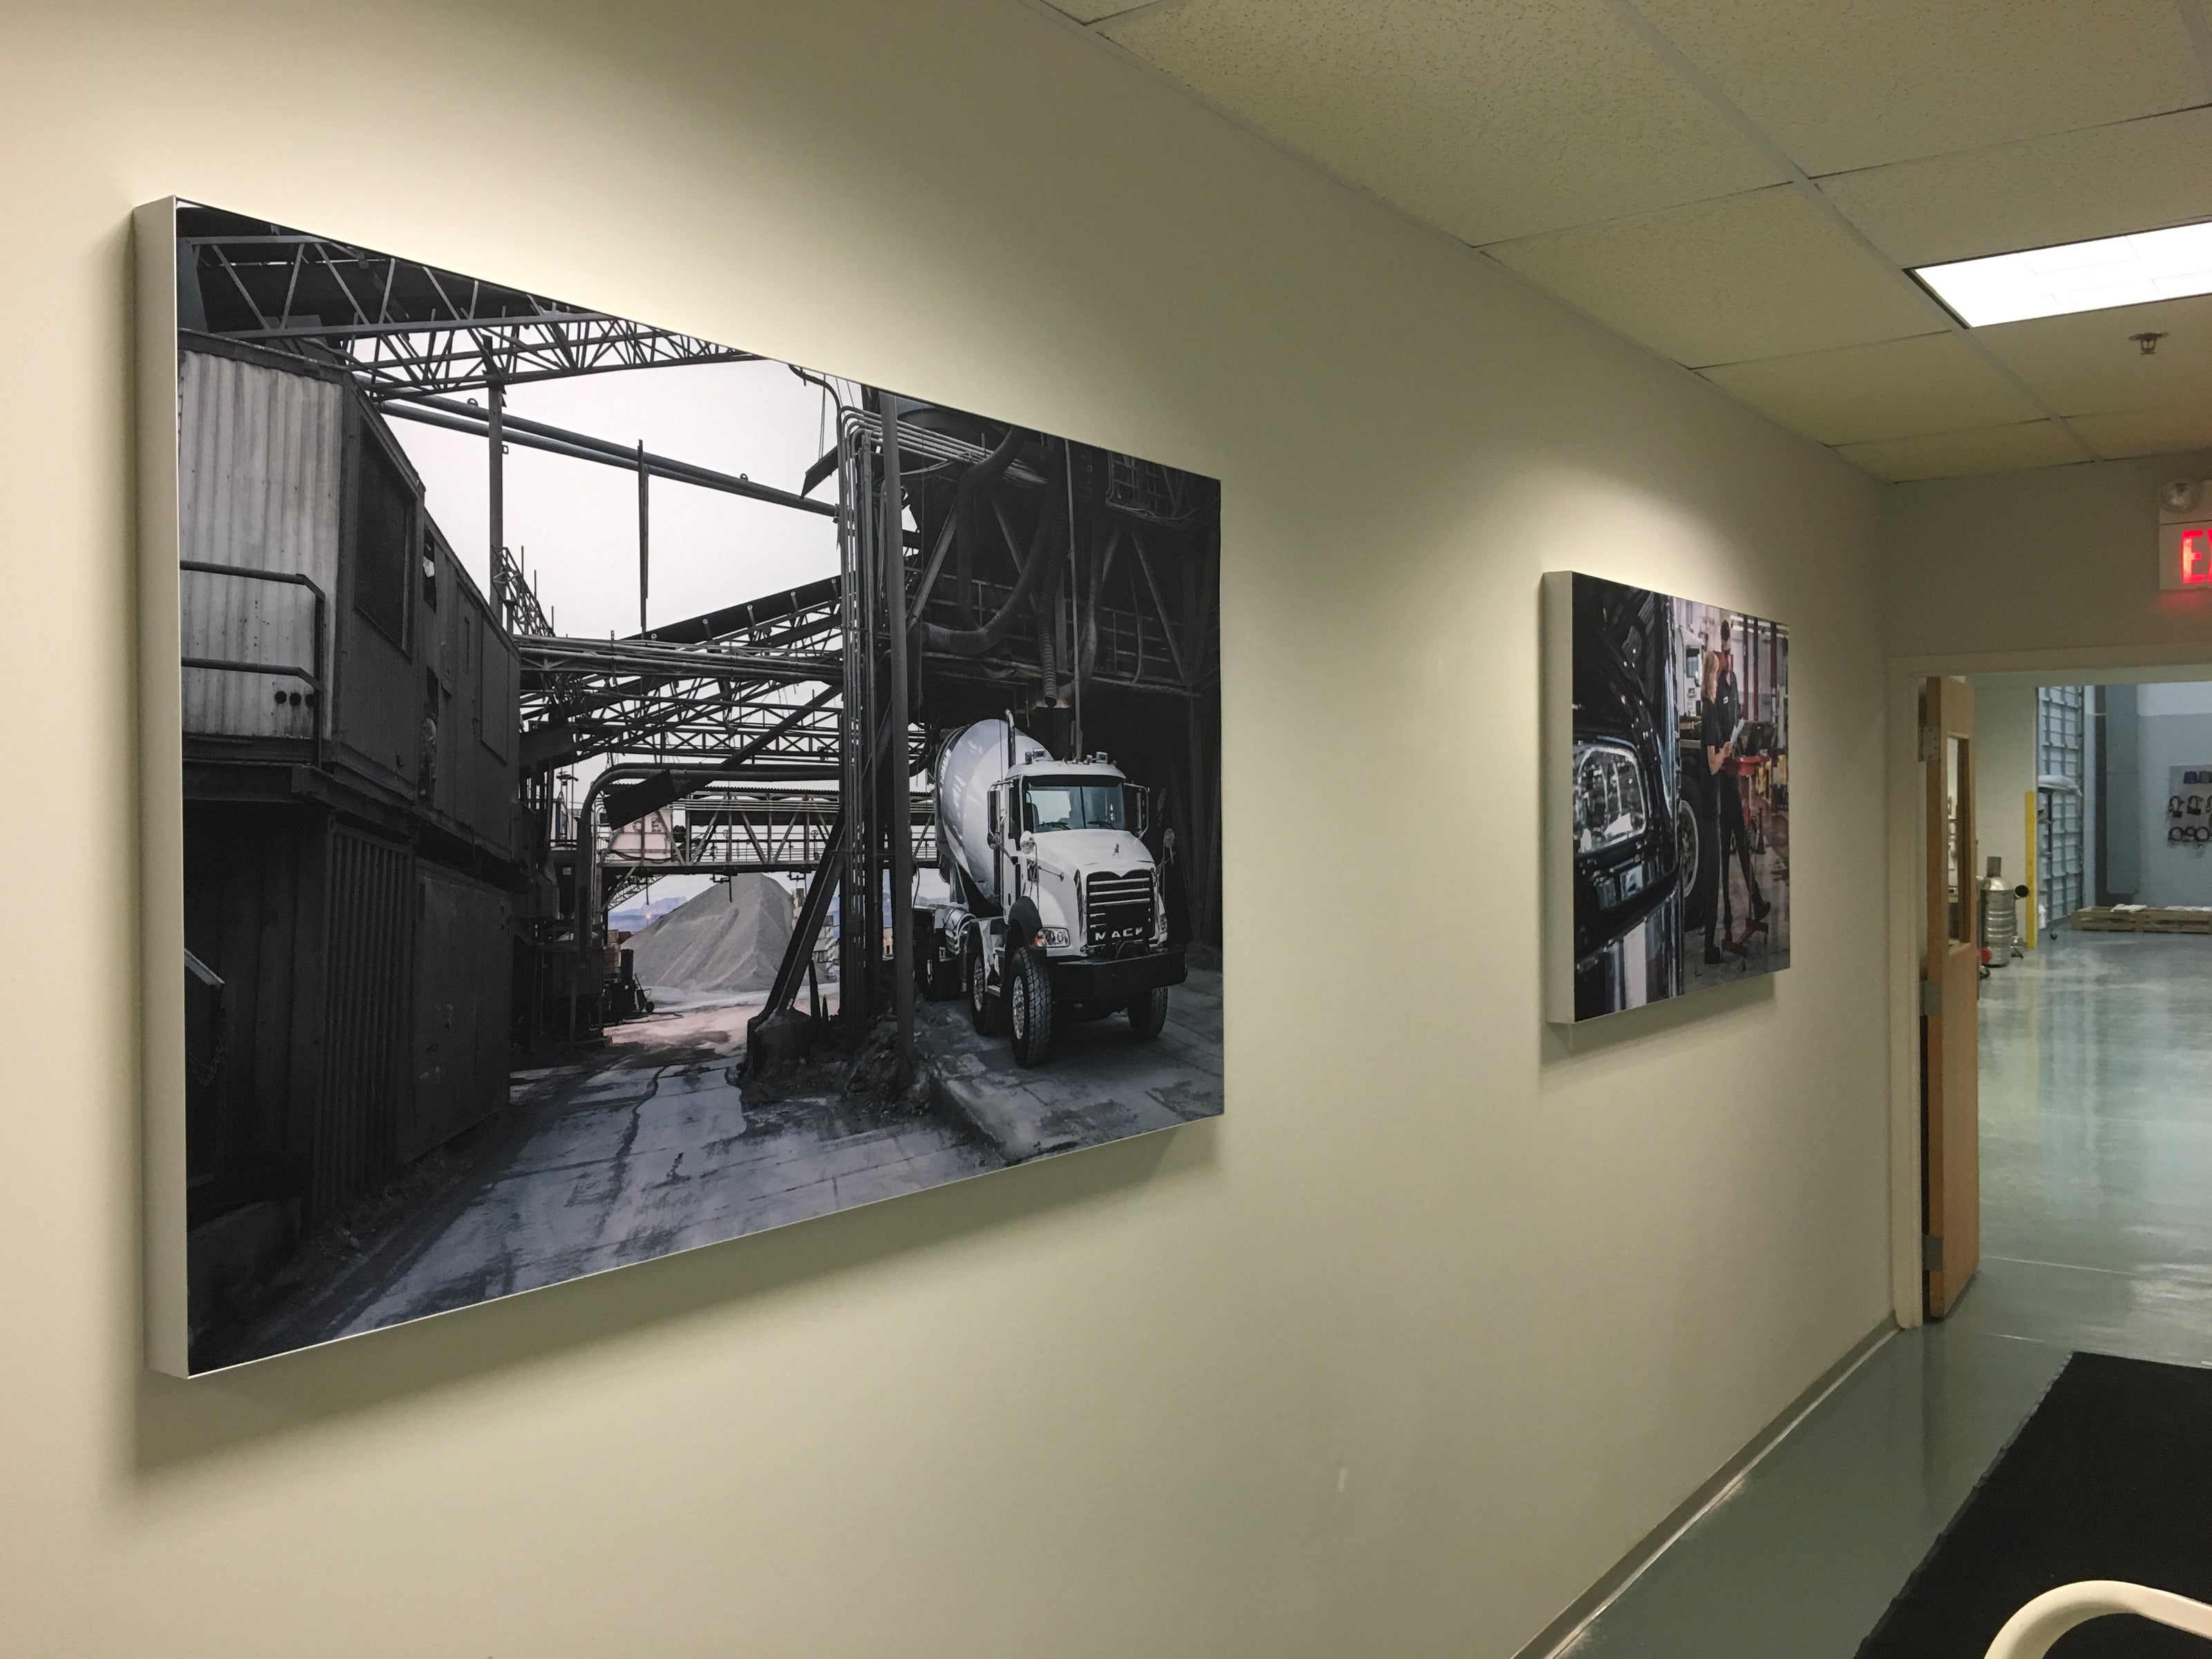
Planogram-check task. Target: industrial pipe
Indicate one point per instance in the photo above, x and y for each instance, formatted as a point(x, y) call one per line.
point(467, 417)
point(587, 841)
point(1044, 560)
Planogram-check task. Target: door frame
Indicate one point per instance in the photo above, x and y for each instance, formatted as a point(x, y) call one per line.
point(1907, 881)
point(1951, 970)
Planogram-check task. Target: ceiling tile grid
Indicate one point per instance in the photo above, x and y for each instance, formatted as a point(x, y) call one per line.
point(1568, 117)
point(2089, 363)
point(1761, 275)
point(1854, 84)
point(2101, 181)
point(1955, 454)
point(1741, 185)
point(2146, 431)
point(1908, 388)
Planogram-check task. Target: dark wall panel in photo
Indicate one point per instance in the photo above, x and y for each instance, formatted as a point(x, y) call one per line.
point(464, 989)
point(253, 878)
point(371, 1004)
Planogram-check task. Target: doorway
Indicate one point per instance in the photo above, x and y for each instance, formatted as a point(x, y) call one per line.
point(2093, 1018)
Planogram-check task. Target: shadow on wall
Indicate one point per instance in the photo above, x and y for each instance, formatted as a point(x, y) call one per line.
point(1565, 1045)
point(176, 1423)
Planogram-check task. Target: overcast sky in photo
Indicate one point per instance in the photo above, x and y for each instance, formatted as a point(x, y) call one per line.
point(573, 523)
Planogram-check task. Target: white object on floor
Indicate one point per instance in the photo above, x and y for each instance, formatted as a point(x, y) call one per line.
point(2029, 1633)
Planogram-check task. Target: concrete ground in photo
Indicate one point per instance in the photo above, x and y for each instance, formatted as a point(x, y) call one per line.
point(642, 1149)
point(1101, 1083)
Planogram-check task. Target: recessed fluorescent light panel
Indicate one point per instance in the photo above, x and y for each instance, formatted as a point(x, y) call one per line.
point(2052, 281)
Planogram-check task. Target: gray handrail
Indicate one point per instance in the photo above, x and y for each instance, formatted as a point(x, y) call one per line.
point(312, 674)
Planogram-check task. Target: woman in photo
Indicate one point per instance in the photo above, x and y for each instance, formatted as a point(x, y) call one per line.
point(1721, 715)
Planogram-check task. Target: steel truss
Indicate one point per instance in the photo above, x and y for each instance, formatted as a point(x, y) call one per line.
point(515, 597)
point(727, 830)
point(399, 325)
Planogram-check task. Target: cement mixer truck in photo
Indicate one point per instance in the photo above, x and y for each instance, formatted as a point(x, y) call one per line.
point(1059, 909)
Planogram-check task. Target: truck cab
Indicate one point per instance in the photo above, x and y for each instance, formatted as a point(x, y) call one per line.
point(1059, 908)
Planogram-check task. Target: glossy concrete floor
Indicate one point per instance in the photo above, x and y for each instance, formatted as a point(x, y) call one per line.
point(2096, 1234)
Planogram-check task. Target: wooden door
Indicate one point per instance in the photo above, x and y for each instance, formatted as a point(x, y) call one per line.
point(1950, 990)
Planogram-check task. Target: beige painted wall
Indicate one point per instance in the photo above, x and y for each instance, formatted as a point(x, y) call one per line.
point(1398, 1356)
point(2041, 569)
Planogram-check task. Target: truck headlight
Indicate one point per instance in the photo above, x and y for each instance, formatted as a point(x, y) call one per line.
point(1056, 939)
point(1610, 804)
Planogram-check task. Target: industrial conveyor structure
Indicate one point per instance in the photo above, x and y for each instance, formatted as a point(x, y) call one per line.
point(983, 569)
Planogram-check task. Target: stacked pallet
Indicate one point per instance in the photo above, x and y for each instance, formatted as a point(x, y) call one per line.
point(2144, 919)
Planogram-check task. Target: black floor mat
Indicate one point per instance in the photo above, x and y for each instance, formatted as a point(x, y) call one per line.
point(2110, 1478)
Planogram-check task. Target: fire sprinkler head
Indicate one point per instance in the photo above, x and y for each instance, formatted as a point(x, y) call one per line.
point(2147, 343)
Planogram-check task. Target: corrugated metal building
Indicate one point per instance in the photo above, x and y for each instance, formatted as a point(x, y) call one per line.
point(350, 727)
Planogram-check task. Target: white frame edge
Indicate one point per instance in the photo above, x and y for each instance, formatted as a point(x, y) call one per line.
point(161, 793)
point(1556, 773)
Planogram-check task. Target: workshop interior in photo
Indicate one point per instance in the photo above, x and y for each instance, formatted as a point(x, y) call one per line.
point(1667, 737)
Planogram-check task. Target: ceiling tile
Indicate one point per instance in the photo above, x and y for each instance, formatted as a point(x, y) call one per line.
point(1894, 389)
point(2086, 364)
point(1853, 83)
point(2103, 181)
point(1954, 454)
point(1490, 121)
point(2146, 431)
point(1762, 275)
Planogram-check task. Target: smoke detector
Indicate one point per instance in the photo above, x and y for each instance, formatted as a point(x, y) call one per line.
point(2179, 499)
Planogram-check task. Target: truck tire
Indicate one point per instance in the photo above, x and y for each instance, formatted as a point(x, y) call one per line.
point(1690, 861)
point(1148, 1011)
point(984, 1008)
point(1029, 1007)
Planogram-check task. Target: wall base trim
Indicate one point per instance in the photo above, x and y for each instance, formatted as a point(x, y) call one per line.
point(1564, 1631)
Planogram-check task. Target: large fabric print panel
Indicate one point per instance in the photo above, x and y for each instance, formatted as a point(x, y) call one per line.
point(612, 792)
point(1666, 859)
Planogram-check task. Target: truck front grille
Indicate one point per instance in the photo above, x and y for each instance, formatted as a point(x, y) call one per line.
point(1118, 909)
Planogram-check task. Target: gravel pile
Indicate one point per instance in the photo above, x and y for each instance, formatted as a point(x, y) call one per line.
point(721, 945)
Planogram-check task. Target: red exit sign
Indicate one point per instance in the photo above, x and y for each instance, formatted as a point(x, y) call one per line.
point(2195, 560)
point(2185, 535)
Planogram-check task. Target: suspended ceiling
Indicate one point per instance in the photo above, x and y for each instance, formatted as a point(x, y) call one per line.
point(1740, 185)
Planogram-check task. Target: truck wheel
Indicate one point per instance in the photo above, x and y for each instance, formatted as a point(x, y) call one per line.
point(1689, 861)
point(983, 1008)
point(1029, 1008)
point(1148, 1012)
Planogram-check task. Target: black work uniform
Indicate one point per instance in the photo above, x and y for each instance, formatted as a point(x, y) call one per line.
point(1730, 837)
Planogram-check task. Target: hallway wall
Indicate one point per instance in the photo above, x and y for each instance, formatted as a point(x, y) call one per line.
point(1396, 1358)
point(2056, 560)
point(2175, 721)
